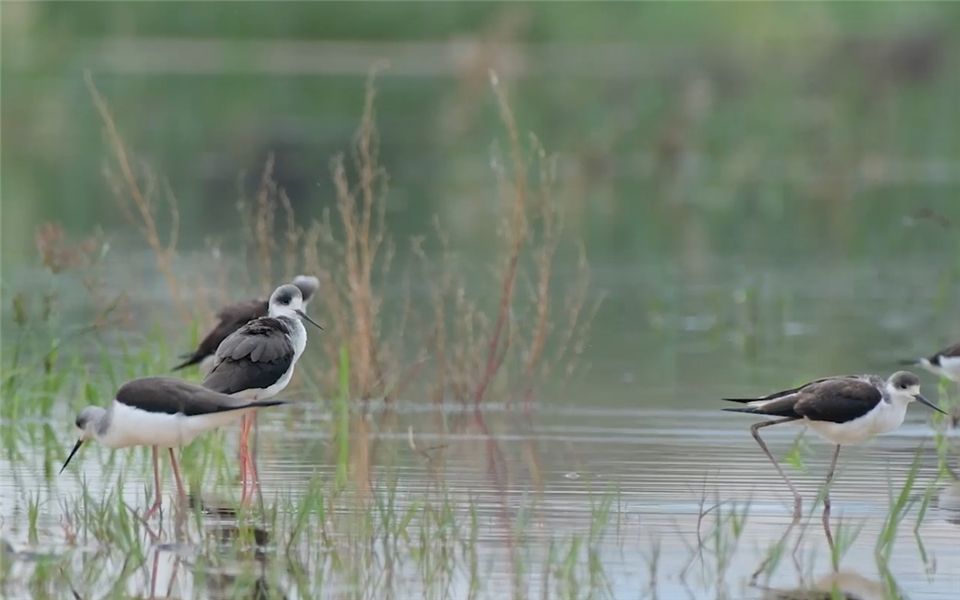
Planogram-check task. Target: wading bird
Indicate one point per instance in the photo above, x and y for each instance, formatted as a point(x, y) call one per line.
point(233, 317)
point(945, 363)
point(256, 362)
point(161, 412)
point(845, 410)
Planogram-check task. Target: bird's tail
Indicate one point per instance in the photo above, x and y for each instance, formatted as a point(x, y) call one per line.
point(746, 409)
point(264, 403)
point(232, 405)
point(742, 409)
point(774, 407)
point(191, 359)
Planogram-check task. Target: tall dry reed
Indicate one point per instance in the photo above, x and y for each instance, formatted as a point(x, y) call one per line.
point(135, 187)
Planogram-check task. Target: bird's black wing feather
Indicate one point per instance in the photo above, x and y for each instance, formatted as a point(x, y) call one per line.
point(838, 400)
point(781, 407)
point(171, 396)
point(253, 357)
point(950, 352)
point(791, 391)
point(243, 312)
point(230, 319)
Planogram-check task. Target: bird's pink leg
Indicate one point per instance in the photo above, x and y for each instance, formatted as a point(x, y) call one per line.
point(156, 485)
point(252, 458)
point(240, 452)
point(176, 475)
point(797, 500)
point(244, 456)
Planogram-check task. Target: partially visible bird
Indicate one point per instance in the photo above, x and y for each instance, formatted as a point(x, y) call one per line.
point(847, 409)
point(256, 361)
point(161, 412)
point(234, 316)
point(945, 363)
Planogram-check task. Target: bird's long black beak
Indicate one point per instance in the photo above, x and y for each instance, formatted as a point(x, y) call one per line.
point(923, 400)
point(304, 316)
point(72, 452)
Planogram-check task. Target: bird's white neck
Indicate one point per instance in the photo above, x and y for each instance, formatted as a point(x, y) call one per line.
point(299, 338)
point(298, 334)
point(891, 413)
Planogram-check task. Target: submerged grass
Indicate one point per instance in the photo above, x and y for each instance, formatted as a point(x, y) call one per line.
point(342, 432)
point(844, 536)
point(899, 507)
point(315, 538)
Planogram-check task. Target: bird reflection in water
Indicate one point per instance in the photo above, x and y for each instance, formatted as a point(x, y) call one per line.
point(844, 584)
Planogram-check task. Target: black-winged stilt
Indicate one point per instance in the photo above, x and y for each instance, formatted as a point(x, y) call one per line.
point(945, 363)
point(161, 412)
point(256, 361)
point(234, 316)
point(845, 410)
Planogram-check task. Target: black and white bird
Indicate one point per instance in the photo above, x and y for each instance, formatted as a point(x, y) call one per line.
point(161, 412)
point(945, 363)
point(256, 361)
point(234, 316)
point(847, 409)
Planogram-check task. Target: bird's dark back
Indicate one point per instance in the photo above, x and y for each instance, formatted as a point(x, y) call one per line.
point(168, 395)
point(254, 357)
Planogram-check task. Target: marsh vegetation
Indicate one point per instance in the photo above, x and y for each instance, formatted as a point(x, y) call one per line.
point(530, 310)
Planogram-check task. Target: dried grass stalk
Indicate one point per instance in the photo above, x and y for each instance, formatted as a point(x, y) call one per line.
point(471, 346)
point(353, 252)
point(140, 190)
point(514, 226)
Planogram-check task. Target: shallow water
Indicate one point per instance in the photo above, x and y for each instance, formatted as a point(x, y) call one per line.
point(627, 481)
point(534, 481)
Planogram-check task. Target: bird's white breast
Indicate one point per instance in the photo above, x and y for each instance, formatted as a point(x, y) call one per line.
point(131, 426)
point(298, 337)
point(950, 367)
point(884, 417)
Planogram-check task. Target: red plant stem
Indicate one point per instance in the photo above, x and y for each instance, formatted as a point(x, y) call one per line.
point(492, 360)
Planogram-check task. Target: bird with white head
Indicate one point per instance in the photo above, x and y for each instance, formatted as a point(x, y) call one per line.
point(257, 362)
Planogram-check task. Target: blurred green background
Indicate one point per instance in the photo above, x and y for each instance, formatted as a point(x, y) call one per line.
point(759, 171)
point(834, 121)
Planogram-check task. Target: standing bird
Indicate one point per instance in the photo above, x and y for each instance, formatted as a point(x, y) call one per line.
point(256, 361)
point(233, 317)
point(848, 409)
point(945, 363)
point(161, 412)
